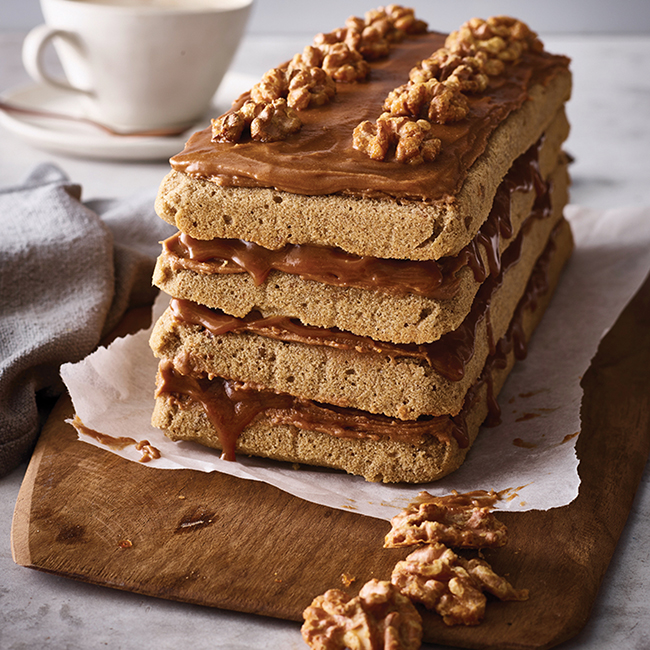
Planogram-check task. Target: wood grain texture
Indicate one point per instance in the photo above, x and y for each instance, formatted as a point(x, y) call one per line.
point(219, 541)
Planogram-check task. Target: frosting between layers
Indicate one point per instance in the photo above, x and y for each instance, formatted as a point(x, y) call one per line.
point(320, 159)
point(231, 405)
point(432, 279)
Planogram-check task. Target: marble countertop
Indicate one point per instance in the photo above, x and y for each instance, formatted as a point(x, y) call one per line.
point(610, 139)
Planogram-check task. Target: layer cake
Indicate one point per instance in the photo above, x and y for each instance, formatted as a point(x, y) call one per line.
point(360, 259)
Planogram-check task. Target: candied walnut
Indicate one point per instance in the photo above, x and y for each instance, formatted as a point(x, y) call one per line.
point(396, 21)
point(433, 100)
point(228, 128)
point(452, 586)
point(374, 42)
point(373, 35)
point(511, 30)
point(415, 143)
point(309, 86)
point(355, 24)
point(467, 79)
point(373, 139)
point(410, 142)
point(486, 65)
point(273, 85)
point(438, 66)
point(404, 19)
point(458, 522)
point(263, 121)
point(250, 110)
point(378, 618)
point(275, 122)
point(435, 576)
point(311, 56)
point(344, 64)
point(468, 73)
point(350, 36)
point(500, 37)
point(233, 126)
point(367, 41)
point(484, 576)
point(300, 84)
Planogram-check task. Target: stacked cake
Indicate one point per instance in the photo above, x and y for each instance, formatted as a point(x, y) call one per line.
point(366, 241)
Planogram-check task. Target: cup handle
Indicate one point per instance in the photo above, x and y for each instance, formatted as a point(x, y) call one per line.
point(33, 47)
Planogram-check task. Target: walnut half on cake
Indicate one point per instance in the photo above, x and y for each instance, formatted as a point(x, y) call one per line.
point(366, 241)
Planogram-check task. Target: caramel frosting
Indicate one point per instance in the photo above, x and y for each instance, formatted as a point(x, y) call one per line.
point(320, 158)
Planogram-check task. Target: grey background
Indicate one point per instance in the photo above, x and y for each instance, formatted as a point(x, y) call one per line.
point(313, 16)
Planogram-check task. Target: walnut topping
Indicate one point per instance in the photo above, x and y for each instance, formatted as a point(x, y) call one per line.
point(432, 100)
point(311, 56)
point(376, 38)
point(275, 122)
point(273, 85)
point(404, 20)
point(310, 87)
point(494, 584)
point(344, 64)
point(341, 62)
point(437, 86)
point(378, 618)
point(400, 138)
point(351, 37)
point(270, 114)
point(369, 41)
point(438, 66)
point(500, 37)
point(451, 585)
point(395, 21)
point(373, 35)
point(458, 522)
point(264, 121)
point(300, 84)
point(309, 80)
point(469, 73)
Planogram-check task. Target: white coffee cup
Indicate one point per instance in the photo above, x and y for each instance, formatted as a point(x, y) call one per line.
point(139, 64)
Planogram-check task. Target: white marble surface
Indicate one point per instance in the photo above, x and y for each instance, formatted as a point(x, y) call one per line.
point(610, 140)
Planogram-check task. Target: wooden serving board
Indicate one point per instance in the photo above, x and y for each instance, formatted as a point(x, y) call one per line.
point(220, 541)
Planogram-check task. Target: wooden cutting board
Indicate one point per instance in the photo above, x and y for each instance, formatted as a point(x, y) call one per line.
point(219, 541)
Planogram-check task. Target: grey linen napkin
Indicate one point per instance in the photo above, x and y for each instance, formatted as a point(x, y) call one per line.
point(68, 273)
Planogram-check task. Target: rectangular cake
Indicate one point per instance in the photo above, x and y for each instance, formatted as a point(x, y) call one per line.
point(365, 243)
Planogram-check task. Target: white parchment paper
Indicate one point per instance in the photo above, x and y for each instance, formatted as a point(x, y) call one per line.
point(530, 456)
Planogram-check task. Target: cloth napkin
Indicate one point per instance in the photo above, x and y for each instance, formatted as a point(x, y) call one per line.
point(68, 272)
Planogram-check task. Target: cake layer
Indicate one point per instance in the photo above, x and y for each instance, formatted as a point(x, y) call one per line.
point(399, 319)
point(315, 187)
point(394, 381)
point(392, 453)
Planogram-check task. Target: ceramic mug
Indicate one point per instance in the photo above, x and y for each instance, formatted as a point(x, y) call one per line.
point(139, 64)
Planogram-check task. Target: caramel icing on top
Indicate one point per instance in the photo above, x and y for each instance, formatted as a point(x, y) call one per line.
point(320, 158)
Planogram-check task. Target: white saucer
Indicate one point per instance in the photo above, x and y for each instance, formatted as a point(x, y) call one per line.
point(78, 138)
